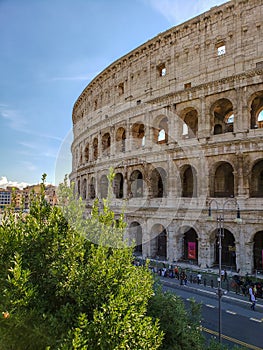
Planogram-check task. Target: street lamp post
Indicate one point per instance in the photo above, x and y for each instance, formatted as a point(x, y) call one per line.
point(220, 229)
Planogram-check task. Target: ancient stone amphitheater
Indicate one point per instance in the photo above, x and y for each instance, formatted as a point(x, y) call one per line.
point(180, 119)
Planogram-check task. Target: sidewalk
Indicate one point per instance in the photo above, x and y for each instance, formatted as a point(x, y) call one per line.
point(230, 296)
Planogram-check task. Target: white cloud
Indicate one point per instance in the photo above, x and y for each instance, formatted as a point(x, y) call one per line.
point(13, 117)
point(4, 182)
point(178, 11)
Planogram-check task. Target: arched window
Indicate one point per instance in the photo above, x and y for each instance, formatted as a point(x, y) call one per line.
point(256, 111)
point(190, 125)
point(158, 183)
point(118, 185)
point(86, 153)
point(135, 236)
point(224, 181)
point(121, 139)
point(256, 183)
point(189, 182)
point(223, 117)
point(158, 242)
point(138, 134)
point(136, 184)
point(92, 190)
point(95, 149)
point(106, 143)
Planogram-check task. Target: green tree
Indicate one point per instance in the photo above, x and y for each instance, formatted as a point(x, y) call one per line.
point(181, 327)
point(68, 282)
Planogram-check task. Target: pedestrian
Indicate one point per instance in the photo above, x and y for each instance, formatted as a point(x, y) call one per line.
point(225, 275)
point(253, 301)
point(199, 277)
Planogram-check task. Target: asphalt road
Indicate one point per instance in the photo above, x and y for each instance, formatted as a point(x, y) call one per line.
point(240, 325)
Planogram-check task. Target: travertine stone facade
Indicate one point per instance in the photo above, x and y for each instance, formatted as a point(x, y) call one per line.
point(180, 119)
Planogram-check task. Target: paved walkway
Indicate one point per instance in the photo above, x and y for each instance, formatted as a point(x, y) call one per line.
point(205, 289)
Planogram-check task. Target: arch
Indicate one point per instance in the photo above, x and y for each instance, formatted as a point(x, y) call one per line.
point(160, 133)
point(136, 184)
point(84, 189)
point(189, 182)
point(258, 251)
point(104, 183)
point(92, 188)
point(190, 125)
point(106, 143)
point(95, 148)
point(223, 116)
point(256, 111)
point(158, 243)
point(80, 157)
point(190, 245)
point(256, 181)
point(228, 249)
point(158, 180)
point(121, 139)
point(118, 185)
point(224, 181)
point(86, 152)
point(138, 134)
point(78, 187)
point(135, 235)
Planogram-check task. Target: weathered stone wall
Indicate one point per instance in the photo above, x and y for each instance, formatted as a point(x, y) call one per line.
point(179, 119)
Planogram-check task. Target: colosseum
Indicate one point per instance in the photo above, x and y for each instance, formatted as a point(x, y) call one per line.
point(180, 120)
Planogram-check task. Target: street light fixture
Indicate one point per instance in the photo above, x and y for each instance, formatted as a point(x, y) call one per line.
point(220, 229)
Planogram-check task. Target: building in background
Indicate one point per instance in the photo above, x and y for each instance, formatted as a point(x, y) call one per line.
point(180, 119)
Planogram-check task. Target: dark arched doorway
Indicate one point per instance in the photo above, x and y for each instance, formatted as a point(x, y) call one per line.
point(159, 242)
point(228, 250)
point(135, 236)
point(190, 246)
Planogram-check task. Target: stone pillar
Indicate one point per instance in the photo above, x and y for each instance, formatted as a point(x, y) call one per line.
point(170, 242)
point(248, 263)
point(146, 241)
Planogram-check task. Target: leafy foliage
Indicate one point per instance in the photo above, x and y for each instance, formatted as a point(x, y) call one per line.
point(64, 291)
point(181, 327)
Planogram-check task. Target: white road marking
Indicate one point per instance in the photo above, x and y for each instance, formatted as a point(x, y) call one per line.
point(255, 319)
point(212, 306)
point(231, 312)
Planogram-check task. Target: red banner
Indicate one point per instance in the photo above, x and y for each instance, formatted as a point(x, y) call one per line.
point(191, 250)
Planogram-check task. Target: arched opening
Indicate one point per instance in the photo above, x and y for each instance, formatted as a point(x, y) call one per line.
point(106, 142)
point(158, 242)
point(256, 111)
point(190, 125)
point(104, 183)
point(118, 185)
point(135, 234)
point(120, 139)
point(190, 246)
point(86, 153)
point(78, 187)
point(136, 184)
point(158, 183)
point(95, 149)
point(256, 182)
point(189, 182)
point(161, 132)
point(223, 117)
point(138, 134)
point(92, 190)
point(228, 256)
point(224, 181)
point(258, 251)
point(84, 189)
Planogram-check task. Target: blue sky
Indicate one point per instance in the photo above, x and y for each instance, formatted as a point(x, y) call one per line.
point(50, 50)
